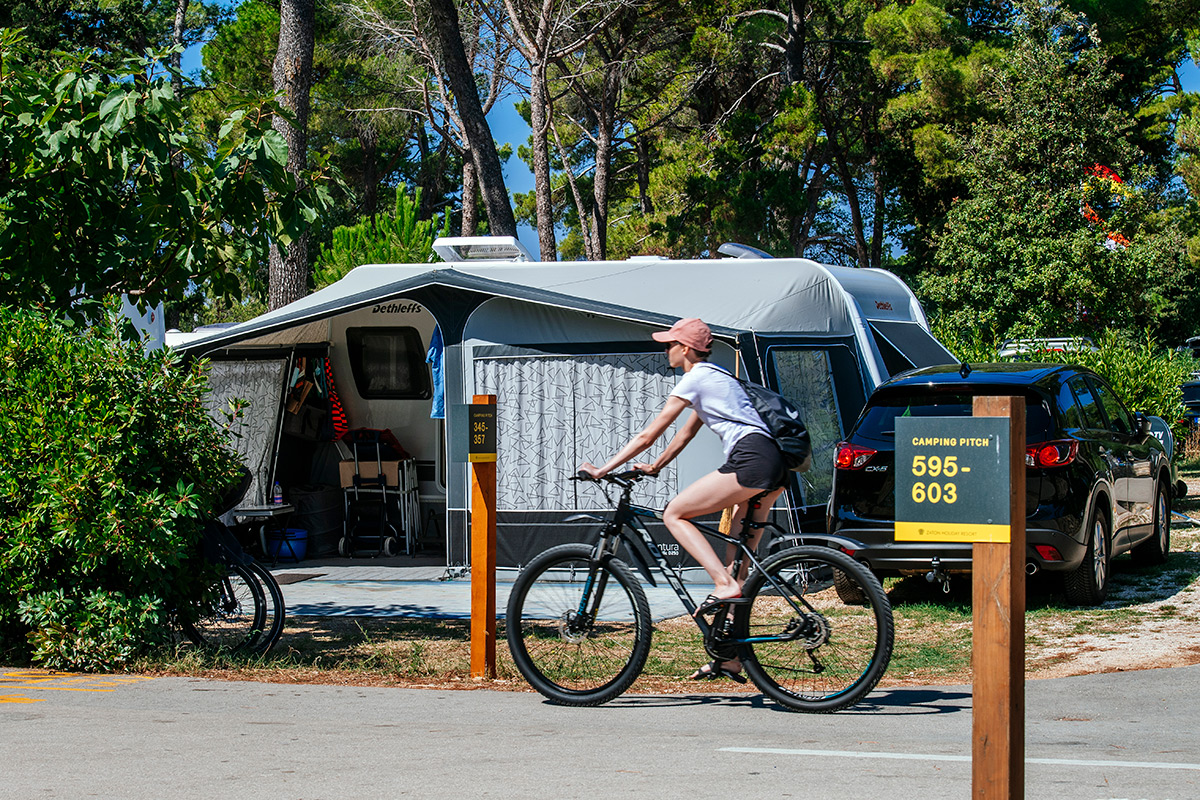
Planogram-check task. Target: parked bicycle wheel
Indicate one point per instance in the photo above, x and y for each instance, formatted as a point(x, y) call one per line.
point(274, 608)
point(231, 615)
point(579, 632)
point(829, 653)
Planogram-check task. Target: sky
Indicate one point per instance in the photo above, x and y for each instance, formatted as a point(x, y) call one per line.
point(509, 126)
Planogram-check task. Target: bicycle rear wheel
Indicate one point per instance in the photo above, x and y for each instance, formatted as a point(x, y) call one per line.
point(814, 652)
point(579, 631)
point(230, 616)
point(274, 608)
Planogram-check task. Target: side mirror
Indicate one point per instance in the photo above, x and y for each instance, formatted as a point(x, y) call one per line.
point(1141, 424)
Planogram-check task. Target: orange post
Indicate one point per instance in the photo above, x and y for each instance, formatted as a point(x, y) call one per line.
point(998, 640)
point(483, 553)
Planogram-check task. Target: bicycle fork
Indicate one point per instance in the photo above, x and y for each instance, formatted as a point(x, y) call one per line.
point(597, 581)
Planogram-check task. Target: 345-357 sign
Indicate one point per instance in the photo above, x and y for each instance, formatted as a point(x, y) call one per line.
point(952, 479)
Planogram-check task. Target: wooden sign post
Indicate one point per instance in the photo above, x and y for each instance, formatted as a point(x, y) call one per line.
point(481, 452)
point(962, 479)
point(998, 622)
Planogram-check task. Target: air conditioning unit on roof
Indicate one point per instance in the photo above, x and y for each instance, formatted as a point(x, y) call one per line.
point(481, 248)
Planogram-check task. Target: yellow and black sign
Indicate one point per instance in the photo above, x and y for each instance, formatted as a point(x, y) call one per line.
point(952, 479)
point(481, 432)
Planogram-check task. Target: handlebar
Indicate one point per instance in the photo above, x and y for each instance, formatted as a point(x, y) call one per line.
point(625, 479)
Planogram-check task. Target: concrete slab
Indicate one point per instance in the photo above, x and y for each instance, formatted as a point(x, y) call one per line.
point(426, 592)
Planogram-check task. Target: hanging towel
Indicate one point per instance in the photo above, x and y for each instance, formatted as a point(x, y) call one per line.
point(434, 359)
point(338, 414)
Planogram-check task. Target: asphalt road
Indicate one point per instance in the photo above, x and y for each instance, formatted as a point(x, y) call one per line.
point(1124, 735)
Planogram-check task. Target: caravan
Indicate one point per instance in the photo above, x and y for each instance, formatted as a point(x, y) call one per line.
point(566, 348)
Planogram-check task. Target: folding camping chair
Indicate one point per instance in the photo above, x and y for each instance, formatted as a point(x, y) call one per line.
point(368, 518)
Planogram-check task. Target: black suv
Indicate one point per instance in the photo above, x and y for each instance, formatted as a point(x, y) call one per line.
point(1097, 483)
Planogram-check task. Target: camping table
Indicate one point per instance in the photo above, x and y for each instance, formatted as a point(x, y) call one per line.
point(261, 516)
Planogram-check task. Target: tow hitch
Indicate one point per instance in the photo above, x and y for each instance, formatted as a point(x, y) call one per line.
point(937, 575)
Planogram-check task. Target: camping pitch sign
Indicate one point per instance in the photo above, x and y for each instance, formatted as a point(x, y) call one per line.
point(952, 479)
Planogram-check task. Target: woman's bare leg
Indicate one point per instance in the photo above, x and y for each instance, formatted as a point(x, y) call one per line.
point(760, 515)
point(713, 492)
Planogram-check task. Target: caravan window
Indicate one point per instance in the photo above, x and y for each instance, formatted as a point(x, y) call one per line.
point(388, 363)
point(805, 376)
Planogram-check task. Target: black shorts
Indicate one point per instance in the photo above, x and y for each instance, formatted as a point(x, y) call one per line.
point(757, 463)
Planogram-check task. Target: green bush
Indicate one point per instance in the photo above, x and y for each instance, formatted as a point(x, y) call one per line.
point(1145, 374)
point(973, 346)
point(108, 465)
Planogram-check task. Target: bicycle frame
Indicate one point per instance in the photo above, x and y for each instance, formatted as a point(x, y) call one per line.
point(628, 517)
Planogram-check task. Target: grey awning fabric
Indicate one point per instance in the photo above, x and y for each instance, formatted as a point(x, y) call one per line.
point(731, 295)
point(913, 342)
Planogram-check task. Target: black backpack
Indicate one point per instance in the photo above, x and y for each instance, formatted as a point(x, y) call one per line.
point(783, 423)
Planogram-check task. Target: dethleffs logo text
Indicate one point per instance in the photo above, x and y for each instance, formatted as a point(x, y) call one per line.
point(397, 308)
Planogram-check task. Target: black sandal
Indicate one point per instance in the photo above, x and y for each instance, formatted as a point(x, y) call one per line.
point(713, 603)
point(713, 670)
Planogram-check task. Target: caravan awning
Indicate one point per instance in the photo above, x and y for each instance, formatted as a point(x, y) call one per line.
point(915, 344)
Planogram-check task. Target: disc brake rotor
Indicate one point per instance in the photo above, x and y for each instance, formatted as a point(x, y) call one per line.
point(569, 630)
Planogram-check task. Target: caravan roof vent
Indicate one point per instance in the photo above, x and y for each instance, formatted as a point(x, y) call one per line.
point(742, 251)
point(481, 248)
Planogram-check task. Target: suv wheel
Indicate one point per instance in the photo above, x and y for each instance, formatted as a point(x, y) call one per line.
point(1154, 550)
point(849, 591)
point(1087, 585)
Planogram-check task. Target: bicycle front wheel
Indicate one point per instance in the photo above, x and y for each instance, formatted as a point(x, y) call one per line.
point(579, 630)
point(274, 609)
point(231, 614)
point(806, 648)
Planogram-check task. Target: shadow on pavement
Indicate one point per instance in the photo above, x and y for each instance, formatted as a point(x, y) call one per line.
point(917, 700)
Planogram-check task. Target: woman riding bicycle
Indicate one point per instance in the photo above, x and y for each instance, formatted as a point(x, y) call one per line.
point(753, 463)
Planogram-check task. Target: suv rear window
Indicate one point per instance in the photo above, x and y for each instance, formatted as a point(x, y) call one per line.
point(879, 419)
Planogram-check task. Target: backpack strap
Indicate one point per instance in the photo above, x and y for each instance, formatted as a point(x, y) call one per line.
point(762, 426)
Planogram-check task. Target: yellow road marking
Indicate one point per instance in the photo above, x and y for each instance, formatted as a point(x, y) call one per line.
point(16, 698)
point(50, 681)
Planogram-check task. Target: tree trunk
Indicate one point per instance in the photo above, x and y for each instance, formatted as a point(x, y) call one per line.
point(585, 230)
point(368, 138)
point(479, 135)
point(543, 200)
point(288, 278)
point(181, 7)
point(470, 187)
point(793, 68)
point(645, 204)
point(802, 226)
point(877, 216)
point(600, 188)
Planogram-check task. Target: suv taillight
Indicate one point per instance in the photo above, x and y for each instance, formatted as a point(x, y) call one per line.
point(852, 456)
point(1051, 454)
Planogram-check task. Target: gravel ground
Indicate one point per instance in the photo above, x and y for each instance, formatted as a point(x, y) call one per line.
point(1160, 626)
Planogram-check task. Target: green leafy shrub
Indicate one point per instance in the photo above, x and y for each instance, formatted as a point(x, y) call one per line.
point(973, 345)
point(1145, 374)
point(398, 238)
point(108, 464)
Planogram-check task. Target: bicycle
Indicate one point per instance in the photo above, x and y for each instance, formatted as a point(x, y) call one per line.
point(579, 628)
point(243, 610)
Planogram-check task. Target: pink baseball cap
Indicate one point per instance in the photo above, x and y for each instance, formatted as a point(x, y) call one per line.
point(690, 332)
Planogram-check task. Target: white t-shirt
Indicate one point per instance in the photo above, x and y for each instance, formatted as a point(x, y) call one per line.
point(720, 402)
